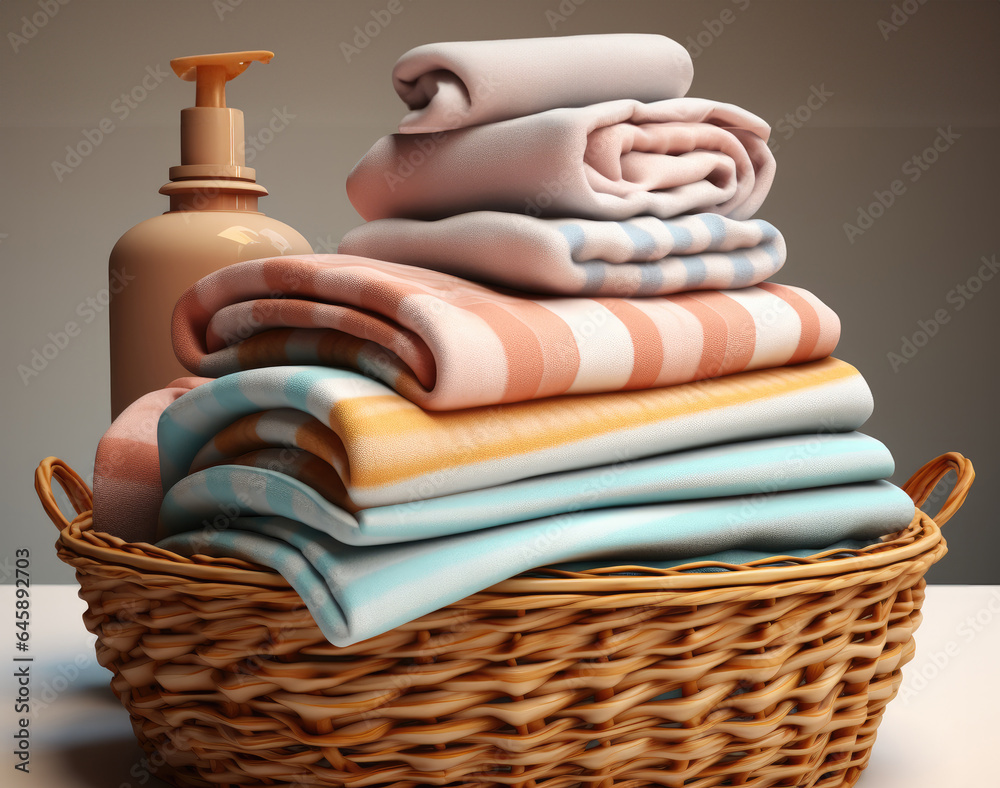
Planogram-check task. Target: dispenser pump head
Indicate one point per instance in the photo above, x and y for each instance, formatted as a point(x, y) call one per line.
point(210, 73)
point(212, 137)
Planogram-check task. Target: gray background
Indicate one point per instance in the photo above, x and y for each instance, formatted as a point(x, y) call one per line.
point(893, 90)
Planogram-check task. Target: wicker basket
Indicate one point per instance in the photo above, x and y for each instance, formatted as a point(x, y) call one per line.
point(757, 676)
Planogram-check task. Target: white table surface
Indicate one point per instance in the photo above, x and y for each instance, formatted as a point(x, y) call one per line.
point(940, 731)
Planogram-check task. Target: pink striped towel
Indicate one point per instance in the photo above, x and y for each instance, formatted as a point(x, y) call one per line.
point(445, 343)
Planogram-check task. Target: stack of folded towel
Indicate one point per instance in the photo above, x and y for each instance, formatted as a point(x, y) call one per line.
point(552, 342)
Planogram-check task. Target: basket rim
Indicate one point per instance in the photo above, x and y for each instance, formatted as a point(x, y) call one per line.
point(921, 537)
point(920, 541)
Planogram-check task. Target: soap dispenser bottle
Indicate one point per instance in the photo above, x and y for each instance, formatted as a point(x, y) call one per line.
point(213, 222)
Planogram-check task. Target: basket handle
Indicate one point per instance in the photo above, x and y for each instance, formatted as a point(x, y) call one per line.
point(76, 488)
point(922, 483)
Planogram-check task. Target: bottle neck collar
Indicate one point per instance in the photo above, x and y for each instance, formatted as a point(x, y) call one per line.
point(213, 195)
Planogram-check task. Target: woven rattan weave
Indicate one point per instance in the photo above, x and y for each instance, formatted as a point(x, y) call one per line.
point(756, 676)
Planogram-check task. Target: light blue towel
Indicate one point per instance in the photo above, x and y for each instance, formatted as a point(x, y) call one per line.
point(222, 492)
point(355, 593)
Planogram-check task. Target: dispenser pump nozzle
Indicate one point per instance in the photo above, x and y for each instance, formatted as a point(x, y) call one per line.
point(211, 133)
point(210, 73)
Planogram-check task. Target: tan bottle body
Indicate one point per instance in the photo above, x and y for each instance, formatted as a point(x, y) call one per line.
point(213, 222)
point(153, 264)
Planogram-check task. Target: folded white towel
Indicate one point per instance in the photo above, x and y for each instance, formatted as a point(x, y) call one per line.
point(465, 83)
